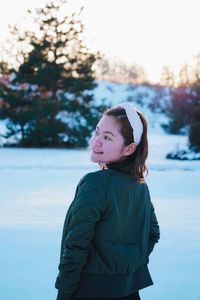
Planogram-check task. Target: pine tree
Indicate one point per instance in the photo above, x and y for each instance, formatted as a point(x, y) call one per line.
point(49, 102)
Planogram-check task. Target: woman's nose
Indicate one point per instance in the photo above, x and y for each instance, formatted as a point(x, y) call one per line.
point(97, 141)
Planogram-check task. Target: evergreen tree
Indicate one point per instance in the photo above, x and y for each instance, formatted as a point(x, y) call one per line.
point(194, 136)
point(49, 101)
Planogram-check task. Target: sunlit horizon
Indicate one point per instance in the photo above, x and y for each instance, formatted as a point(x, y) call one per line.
point(148, 33)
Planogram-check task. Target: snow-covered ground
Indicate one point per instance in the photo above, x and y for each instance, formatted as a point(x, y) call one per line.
point(36, 187)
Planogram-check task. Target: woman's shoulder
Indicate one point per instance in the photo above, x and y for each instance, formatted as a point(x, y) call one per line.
point(102, 175)
point(98, 180)
point(97, 177)
point(105, 177)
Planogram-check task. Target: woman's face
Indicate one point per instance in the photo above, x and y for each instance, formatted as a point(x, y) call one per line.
point(107, 142)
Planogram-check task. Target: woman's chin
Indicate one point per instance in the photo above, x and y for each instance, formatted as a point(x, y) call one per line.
point(94, 159)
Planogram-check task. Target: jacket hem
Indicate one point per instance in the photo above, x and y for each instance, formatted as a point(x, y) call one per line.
point(101, 285)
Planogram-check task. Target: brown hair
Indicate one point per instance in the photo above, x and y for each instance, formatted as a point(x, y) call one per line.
point(135, 163)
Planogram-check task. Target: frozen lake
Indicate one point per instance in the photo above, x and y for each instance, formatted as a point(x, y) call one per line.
point(36, 188)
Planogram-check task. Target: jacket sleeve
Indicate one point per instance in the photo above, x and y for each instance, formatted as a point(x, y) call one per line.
point(89, 205)
point(154, 230)
point(154, 233)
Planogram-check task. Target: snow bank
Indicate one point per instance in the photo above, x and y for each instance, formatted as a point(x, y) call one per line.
point(37, 186)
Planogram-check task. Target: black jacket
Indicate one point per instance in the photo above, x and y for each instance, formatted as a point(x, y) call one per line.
point(109, 231)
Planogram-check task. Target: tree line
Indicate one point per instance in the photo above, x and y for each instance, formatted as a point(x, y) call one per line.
point(48, 76)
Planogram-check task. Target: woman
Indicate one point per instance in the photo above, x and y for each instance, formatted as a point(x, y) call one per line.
point(111, 227)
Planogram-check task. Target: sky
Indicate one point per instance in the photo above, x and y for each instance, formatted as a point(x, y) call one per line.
point(152, 33)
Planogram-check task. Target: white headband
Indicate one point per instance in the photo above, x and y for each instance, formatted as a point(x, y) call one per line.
point(134, 120)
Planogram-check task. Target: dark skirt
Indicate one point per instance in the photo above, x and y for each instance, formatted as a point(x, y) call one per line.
point(134, 296)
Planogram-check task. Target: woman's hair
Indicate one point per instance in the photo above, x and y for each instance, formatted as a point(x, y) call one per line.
point(135, 163)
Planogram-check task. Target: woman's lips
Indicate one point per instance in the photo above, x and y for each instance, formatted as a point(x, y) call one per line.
point(97, 152)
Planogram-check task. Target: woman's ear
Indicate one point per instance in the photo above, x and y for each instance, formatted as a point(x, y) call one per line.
point(129, 149)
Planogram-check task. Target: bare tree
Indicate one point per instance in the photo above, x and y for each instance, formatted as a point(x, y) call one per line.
point(119, 71)
point(167, 77)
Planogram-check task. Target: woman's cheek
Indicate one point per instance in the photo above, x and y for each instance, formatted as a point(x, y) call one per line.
point(91, 140)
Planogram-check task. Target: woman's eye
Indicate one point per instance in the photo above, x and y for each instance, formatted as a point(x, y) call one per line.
point(107, 138)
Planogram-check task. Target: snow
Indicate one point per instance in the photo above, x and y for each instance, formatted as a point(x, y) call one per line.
point(112, 92)
point(37, 186)
point(184, 154)
point(142, 96)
